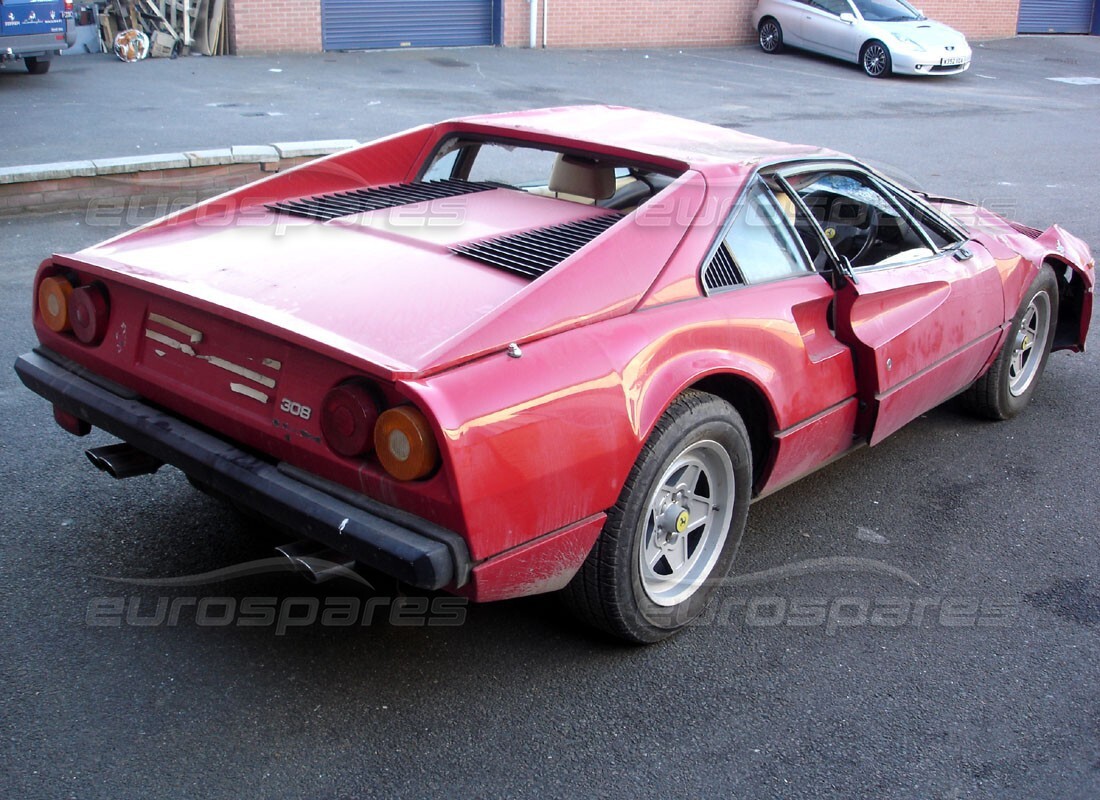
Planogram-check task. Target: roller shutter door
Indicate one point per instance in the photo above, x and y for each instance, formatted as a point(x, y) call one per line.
point(367, 24)
point(1055, 16)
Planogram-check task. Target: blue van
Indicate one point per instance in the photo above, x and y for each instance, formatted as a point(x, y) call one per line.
point(35, 31)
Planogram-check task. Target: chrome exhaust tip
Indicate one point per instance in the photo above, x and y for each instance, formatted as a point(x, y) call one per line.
point(317, 563)
point(123, 460)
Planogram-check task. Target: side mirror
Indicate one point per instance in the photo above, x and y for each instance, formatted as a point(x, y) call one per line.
point(848, 17)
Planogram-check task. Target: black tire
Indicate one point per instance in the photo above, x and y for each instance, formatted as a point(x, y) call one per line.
point(770, 35)
point(1008, 385)
point(613, 591)
point(37, 66)
point(875, 59)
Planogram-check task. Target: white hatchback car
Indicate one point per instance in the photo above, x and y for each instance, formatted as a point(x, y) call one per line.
point(882, 36)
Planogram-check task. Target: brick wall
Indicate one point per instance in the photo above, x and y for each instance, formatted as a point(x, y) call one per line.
point(274, 26)
point(294, 26)
point(984, 19)
point(632, 23)
point(697, 23)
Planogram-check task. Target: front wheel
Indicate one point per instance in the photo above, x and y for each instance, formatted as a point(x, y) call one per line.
point(1006, 388)
point(875, 60)
point(770, 35)
point(673, 535)
point(37, 66)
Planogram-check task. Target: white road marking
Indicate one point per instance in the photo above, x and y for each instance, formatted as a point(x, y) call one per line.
point(1082, 81)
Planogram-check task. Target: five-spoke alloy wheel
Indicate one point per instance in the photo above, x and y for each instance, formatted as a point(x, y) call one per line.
point(1006, 388)
point(673, 535)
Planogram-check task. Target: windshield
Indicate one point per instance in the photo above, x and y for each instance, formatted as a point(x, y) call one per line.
point(887, 10)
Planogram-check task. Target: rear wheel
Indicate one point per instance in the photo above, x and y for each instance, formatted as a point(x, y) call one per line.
point(1006, 388)
point(875, 59)
point(771, 35)
point(672, 537)
point(37, 66)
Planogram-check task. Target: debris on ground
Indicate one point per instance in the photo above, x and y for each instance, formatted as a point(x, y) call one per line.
point(134, 29)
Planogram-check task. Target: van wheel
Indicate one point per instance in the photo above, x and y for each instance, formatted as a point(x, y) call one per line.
point(37, 66)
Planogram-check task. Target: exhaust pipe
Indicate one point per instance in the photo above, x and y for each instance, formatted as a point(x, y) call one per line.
point(123, 460)
point(318, 563)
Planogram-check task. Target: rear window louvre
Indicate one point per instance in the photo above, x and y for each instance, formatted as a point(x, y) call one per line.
point(356, 201)
point(534, 253)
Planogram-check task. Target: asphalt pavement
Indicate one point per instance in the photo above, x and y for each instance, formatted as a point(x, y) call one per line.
point(919, 620)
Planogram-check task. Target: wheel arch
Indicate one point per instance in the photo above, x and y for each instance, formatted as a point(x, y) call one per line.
point(744, 392)
point(1073, 315)
point(755, 410)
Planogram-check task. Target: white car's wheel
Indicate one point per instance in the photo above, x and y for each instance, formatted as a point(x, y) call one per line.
point(770, 35)
point(875, 59)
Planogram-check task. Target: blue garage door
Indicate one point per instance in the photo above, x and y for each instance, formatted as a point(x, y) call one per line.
point(1055, 16)
point(366, 24)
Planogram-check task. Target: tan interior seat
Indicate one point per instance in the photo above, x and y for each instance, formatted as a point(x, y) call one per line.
point(582, 179)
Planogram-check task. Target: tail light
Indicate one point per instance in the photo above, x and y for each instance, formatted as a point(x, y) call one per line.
point(69, 6)
point(53, 302)
point(89, 313)
point(66, 307)
point(348, 416)
point(404, 443)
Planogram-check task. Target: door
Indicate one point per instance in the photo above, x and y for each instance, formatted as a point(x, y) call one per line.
point(921, 308)
point(1055, 16)
point(824, 31)
point(367, 24)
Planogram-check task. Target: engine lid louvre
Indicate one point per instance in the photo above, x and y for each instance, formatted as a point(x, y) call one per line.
point(535, 252)
point(327, 207)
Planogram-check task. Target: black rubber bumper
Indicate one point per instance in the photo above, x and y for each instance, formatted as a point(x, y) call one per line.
point(411, 549)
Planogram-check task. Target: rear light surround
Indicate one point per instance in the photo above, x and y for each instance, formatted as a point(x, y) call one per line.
point(356, 423)
point(69, 305)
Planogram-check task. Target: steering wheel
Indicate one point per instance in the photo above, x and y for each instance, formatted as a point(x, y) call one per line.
point(851, 240)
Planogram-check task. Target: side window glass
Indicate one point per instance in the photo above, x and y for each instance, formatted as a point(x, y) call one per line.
point(858, 220)
point(761, 241)
point(837, 7)
point(939, 234)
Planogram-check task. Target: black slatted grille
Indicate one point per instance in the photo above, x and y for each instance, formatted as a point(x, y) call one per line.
point(342, 204)
point(720, 272)
point(1026, 230)
point(534, 253)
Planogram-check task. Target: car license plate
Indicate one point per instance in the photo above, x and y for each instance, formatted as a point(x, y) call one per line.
point(952, 62)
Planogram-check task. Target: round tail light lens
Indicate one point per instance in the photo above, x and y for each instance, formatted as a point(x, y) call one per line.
point(53, 303)
point(89, 312)
point(404, 443)
point(349, 413)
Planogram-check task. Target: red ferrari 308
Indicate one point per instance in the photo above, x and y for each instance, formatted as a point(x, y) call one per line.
point(554, 350)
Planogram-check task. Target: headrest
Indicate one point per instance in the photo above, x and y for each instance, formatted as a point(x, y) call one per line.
point(582, 177)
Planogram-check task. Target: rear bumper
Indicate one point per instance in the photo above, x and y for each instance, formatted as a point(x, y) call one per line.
point(37, 44)
point(411, 549)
